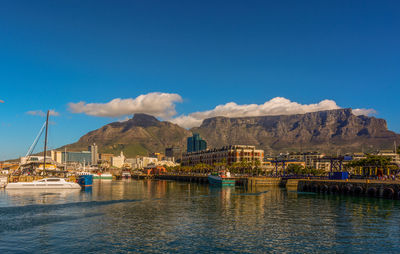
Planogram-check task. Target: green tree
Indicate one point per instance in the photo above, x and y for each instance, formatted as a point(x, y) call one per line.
point(257, 167)
point(296, 169)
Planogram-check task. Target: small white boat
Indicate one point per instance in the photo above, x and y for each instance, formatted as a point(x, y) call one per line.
point(47, 183)
point(3, 181)
point(126, 175)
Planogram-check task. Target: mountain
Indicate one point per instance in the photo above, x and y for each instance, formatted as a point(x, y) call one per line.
point(327, 131)
point(141, 135)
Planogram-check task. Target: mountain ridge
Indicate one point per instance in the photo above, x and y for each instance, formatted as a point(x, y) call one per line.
point(327, 131)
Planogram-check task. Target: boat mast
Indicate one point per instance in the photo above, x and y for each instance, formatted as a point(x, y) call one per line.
point(45, 143)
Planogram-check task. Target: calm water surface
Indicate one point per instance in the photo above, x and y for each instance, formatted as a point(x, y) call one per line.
point(167, 216)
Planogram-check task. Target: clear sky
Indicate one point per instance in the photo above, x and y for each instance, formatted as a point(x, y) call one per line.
point(190, 56)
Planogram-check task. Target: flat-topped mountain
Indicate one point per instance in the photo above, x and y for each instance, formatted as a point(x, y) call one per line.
point(328, 131)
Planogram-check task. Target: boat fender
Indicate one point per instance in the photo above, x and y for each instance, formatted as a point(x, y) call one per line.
point(371, 192)
point(334, 189)
point(346, 189)
point(358, 190)
point(388, 193)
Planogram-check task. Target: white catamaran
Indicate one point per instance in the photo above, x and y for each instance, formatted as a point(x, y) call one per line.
point(46, 183)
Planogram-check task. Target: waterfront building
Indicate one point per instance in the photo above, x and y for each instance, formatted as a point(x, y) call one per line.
point(311, 159)
point(394, 157)
point(28, 159)
point(159, 156)
point(106, 157)
point(69, 157)
point(196, 143)
point(173, 152)
point(276, 166)
point(8, 167)
point(94, 152)
point(118, 161)
point(227, 154)
point(153, 169)
point(141, 162)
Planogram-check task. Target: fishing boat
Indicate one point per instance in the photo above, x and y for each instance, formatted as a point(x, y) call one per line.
point(46, 183)
point(126, 175)
point(103, 176)
point(221, 178)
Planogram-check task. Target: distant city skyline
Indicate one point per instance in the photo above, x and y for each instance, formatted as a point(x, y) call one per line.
point(96, 62)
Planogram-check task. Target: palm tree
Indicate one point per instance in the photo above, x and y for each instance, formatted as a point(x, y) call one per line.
point(257, 165)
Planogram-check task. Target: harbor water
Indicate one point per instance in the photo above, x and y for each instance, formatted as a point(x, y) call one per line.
point(178, 217)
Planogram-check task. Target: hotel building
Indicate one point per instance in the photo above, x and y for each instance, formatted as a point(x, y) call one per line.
point(228, 154)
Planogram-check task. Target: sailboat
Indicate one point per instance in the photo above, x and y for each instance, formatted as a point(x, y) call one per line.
point(46, 183)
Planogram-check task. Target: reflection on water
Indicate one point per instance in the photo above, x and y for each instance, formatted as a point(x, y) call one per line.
point(167, 216)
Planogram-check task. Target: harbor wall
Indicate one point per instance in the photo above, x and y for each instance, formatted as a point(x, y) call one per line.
point(371, 188)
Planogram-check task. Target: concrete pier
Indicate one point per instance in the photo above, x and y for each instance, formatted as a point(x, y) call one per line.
point(186, 178)
point(371, 188)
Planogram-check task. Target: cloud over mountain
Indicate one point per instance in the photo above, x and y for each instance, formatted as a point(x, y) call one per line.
point(156, 104)
point(162, 105)
point(275, 106)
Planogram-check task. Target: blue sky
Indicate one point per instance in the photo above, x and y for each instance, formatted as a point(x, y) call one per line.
point(208, 53)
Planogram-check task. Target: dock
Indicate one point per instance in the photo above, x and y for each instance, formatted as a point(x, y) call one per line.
point(359, 187)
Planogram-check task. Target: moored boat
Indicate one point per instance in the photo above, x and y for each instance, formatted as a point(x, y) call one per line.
point(46, 183)
point(126, 175)
point(3, 181)
point(221, 179)
point(103, 176)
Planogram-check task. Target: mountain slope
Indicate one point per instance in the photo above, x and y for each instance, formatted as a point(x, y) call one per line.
point(328, 131)
point(141, 135)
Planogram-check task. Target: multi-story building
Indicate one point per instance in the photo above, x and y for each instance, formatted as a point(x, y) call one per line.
point(226, 154)
point(83, 157)
point(118, 161)
point(28, 159)
point(311, 159)
point(196, 143)
point(394, 157)
point(95, 153)
point(106, 157)
point(173, 152)
point(141, 162)
point(159, 156)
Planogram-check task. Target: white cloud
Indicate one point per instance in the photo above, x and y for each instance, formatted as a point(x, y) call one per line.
point(124, 119)
point(156, 104)
point(364, 111)
point(275, 106)
point(163, 105)
point(41, 113)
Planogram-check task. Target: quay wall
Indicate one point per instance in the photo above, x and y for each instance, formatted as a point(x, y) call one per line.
point(371, 188)
point(185, 178)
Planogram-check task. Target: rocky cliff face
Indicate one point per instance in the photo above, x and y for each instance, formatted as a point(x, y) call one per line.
point(328, 131)
point(141, 135)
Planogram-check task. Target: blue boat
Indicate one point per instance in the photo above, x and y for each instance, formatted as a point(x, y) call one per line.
point(86, 181)
point(222, 180)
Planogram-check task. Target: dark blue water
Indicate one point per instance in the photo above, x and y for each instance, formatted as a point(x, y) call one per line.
point(166, 216)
